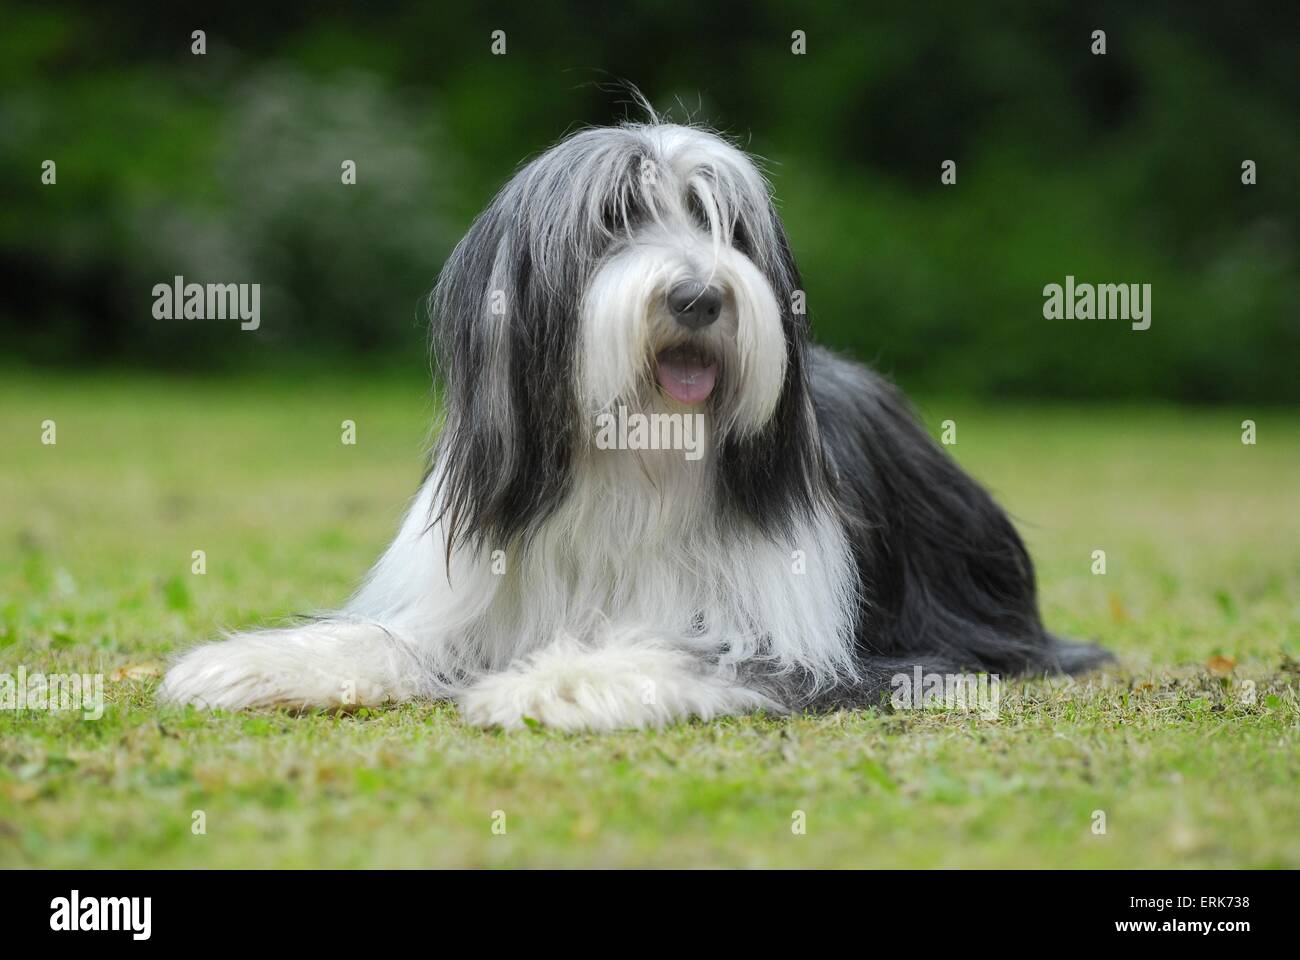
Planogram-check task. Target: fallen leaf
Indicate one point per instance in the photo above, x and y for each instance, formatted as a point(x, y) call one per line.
point(19, 792)
point(1118, 612)
point(136, 671)
point(1219, 666)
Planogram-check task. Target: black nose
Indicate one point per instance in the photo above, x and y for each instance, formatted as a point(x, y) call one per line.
point(694, 305)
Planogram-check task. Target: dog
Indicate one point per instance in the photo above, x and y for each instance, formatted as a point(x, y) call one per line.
point(819, 543)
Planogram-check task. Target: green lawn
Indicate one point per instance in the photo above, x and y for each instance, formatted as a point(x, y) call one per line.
point(1190, 748)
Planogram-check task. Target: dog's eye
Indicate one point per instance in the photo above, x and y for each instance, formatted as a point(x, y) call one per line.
point(699, 214)
point(695, 207)
point(621, 213)
point(740, 239)
point(611, 217)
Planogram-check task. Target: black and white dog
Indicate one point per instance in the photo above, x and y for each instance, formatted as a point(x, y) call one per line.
point(819, 544)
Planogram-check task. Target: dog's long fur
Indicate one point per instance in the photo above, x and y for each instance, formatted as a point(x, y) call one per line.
point(823, 544)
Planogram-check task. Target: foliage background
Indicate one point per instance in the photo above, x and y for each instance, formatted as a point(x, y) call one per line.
point(225, 167)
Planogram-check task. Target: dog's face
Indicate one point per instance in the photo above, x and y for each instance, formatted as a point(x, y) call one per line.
point(680, 311)
point(640, 266)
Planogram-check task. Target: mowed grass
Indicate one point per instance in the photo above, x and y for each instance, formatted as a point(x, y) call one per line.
point(1189, 748)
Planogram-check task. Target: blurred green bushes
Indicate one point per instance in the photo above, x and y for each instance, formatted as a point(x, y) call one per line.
point(1123, 169)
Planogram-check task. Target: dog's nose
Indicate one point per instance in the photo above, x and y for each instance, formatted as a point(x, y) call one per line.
point(694, 305)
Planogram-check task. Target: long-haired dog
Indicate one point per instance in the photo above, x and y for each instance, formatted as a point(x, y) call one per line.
point(819, 543)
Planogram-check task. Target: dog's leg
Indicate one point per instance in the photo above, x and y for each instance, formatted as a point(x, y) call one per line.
point(380, 648)
point(325, 663)
point(627, 681)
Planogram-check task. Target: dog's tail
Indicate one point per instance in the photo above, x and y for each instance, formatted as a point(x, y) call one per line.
point(879, 677)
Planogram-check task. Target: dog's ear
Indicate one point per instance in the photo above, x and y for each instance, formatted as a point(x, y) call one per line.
point(503, 340)
point(777, 475)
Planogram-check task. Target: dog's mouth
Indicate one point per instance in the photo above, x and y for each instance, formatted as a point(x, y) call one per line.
point(686, 373)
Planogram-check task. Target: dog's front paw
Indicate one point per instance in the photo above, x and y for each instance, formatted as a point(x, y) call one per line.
point(215, 676)
point(300, 668)
point(575, 702)
point(230, 675)
point(569, 687)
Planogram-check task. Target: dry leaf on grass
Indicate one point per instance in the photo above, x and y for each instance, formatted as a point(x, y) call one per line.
point(136, 671)
point(1220, 666)
point(1118, 612)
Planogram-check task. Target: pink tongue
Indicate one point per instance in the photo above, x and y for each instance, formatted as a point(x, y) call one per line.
point(685, 376)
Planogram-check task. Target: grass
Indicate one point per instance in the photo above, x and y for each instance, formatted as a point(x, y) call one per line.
point(1200, 600)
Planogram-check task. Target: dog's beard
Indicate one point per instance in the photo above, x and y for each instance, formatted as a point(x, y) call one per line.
point(634, 354)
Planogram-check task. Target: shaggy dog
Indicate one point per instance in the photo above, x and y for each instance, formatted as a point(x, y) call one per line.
point(555, 565)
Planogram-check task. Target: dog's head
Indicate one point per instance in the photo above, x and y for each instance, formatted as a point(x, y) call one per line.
point(641, 266)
